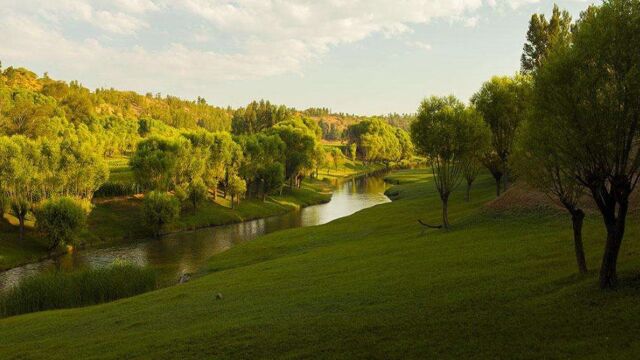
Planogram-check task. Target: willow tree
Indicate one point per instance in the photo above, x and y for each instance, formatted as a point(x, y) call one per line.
point(445, 131)
point(589, 92)
point(503, 102)
point(537, 163)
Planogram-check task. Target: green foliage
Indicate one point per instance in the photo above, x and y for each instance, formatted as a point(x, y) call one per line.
point(61, 220)
point(155, 162)
point(378, 141)
point(58, 290)
point(542, 35)
point(448, 134)
point(197, 192)
point(272, 177)
point(258, 116)
point(336, 157)
point(503, 103)
point(353, 151)
point(300, 143)
point(236, 188)
point(159, 208)
point(587, 106)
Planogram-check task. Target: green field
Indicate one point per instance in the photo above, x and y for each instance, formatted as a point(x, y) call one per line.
point(372, 285)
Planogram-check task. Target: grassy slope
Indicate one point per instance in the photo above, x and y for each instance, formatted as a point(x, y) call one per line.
point(371, 285)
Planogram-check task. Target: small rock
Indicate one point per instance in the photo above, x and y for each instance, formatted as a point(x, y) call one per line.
point(184, 278)
point(218, 296)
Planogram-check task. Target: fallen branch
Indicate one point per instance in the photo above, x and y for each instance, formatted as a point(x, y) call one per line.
point(429, 226)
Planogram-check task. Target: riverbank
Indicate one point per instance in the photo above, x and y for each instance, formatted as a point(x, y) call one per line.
point(372, 285)
point(119, 219)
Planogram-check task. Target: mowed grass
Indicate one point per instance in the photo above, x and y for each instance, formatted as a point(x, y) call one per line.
point(372, 285)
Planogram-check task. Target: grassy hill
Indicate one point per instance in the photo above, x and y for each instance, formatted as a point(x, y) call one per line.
point(372, 285)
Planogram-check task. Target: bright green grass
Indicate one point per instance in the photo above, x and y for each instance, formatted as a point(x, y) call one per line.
point(372, 285)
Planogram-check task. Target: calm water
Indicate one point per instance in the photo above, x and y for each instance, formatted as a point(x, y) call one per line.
point(183, 252)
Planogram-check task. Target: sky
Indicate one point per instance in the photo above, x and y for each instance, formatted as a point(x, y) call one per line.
point(355, 56)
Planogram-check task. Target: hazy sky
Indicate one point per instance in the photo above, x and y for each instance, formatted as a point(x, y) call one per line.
point(365, 57)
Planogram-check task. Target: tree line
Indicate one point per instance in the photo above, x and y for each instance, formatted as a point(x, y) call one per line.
point(568, 123)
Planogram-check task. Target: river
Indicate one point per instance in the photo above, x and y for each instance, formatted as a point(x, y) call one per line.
point(185, 252)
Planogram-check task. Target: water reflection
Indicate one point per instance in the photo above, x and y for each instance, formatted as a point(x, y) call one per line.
point(187, 251)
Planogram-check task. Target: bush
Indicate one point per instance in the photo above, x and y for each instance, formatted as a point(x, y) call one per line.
point(58, 290)
point(61, 220)
point(160, 208)
point(110, 189)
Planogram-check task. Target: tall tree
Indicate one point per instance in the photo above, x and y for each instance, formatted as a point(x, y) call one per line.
point(445, 132)
point(589, 93)
point(539, 165)
point(503, 103)
point(541, 36)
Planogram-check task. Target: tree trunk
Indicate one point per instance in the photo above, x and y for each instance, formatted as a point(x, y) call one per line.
point(577, 219)
point(608, 271)
point(505, 175)
point(467, 195)
point(445, 211)
point(21, 220)
point(497, 187)
point(215, 191)
point(608, 201)
point(233, 202)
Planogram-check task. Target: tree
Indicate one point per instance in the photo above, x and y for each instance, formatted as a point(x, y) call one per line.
point(406, 146)
point(353, 151)
point(300, 145)
point(444, 133)
point(336, 156)
point(154, 162)
point(375, 140)
point(588, 96)
point(538, 164)
point(479, 135)
point(542, 35)
point(159, 208)
point(20, 208)
point(197, 193)
point(503, 103)
point(272, 176)
point(237, 187)
point(222, 152)
point(60, 220)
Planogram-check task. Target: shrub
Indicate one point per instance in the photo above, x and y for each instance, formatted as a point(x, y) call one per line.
point(61, 220)
point(111, 188)
point(58, 290)
point(160, 208)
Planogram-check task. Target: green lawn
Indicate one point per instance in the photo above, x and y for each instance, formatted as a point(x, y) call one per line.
point(372, 285)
